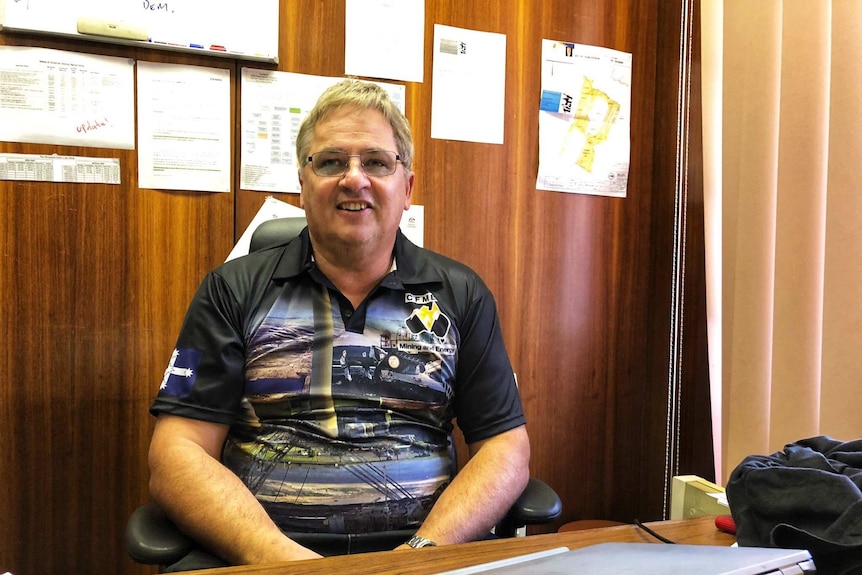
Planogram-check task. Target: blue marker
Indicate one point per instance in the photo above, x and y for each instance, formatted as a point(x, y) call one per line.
point(200, 46)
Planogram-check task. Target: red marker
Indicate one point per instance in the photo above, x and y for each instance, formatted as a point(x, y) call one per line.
point(726, 523)
point(217, 48)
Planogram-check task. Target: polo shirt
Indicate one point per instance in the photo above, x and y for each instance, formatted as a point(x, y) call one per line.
point(340, 417)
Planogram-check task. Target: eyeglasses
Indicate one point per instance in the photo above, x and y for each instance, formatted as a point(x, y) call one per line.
point(375, 163)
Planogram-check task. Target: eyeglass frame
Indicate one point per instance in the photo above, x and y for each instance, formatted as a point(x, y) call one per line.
point(310, 160)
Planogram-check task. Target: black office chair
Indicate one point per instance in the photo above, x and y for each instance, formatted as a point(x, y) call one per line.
point(152, 539)
point(275, 232)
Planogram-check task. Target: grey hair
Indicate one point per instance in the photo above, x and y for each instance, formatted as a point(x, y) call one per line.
point(362, 95)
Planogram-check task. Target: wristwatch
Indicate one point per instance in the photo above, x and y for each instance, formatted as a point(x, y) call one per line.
point(418, 542)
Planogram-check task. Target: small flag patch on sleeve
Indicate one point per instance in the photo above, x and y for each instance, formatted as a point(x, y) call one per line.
point(181, 372)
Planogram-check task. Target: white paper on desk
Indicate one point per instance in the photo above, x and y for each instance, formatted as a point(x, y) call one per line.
point(183, 127)
point(274, 104)
point(375, 48)
point(58, 97)
point(468, 92)
point(412, 223)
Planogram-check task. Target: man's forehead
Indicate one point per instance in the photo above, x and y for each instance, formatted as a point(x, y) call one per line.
point(353, 120)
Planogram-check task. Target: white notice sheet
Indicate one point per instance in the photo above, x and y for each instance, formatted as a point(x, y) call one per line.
point(58, 97)
point(584, 118)
point(468, 92)
point(183, 127)
point(374, 48)
point(55, 168)
point(274, 104)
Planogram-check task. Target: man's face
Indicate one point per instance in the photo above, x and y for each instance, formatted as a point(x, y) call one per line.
point(354, 209)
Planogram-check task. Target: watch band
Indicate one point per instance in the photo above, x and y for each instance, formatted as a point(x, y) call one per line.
point(418, 542)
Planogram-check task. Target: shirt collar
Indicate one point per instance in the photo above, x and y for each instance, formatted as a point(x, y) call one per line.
point(409, 266)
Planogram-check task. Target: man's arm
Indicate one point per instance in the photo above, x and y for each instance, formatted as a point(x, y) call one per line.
point(207, 500)
point(483, 491)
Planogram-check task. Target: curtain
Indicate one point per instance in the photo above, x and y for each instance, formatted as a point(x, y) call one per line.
point(782, 112)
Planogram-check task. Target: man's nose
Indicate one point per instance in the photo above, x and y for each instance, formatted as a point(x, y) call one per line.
point(354, 170)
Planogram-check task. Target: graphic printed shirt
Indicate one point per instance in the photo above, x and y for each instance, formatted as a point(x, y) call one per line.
point(340, 418)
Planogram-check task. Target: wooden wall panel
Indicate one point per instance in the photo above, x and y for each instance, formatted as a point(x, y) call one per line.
point(94, 281)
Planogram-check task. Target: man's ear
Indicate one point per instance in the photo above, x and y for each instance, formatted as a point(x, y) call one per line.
point(408, 197)
point(299, 173)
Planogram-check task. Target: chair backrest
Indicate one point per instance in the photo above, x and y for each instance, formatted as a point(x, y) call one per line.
point(275, 232)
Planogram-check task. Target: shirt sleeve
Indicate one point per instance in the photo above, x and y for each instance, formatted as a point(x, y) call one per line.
point(487, 401)
point(204, 377)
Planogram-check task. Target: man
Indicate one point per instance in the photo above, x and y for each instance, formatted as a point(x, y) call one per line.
point(262, 425)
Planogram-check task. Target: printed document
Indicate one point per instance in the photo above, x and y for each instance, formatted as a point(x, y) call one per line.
point(58, 97)
point(374, 48)
point(584, 119)
point(274, 104)
point(183, 127)
point(468, 92)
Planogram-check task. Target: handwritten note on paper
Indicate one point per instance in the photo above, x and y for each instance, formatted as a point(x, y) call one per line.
point(58, 97)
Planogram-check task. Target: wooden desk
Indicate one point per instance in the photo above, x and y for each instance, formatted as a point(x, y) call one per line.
point(431, 560)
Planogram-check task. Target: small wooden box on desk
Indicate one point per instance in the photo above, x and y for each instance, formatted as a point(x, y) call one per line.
point(431, 560)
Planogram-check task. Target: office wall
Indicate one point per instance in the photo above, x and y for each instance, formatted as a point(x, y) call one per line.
point(94, 280)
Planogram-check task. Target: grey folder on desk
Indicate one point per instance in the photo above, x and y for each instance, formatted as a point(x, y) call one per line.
point(660, 559)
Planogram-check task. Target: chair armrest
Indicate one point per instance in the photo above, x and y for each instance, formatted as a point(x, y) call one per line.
point(537, 504)
point(153, 539)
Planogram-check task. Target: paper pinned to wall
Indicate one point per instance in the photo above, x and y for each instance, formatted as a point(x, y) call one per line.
point(374, 48)
point(274, 104)
point(183, 127)
point(468, 92)
point(60, 97)
point(584, 119)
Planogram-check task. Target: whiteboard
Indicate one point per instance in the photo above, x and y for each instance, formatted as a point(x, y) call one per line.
point(245, 30)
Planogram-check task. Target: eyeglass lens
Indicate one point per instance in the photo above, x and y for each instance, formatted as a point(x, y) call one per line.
point(373, 162)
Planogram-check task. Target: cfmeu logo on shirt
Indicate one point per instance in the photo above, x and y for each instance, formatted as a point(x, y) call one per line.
point(428, 317)
point(181, 372)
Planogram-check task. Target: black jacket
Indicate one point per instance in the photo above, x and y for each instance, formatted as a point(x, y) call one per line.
point(808, 496)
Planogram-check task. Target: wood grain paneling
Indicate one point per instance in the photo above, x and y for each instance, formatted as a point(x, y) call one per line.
point(94, 281)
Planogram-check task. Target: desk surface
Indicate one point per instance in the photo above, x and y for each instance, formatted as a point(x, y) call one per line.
point(430, 560)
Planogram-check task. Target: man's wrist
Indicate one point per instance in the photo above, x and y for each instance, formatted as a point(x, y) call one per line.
point(417, 542)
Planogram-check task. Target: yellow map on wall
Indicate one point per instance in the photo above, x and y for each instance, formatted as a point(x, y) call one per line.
point(584, 119)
